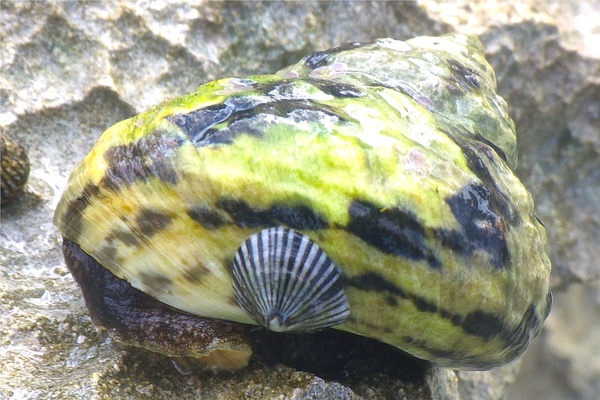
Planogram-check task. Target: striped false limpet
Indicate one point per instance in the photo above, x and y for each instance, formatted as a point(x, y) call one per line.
point(287, 283)
point(368, 188)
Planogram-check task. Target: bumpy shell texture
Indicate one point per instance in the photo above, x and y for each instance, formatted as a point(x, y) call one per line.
point(15, 169)
point(394, 157)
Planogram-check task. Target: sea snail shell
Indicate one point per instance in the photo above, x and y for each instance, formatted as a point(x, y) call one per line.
point(287, 283)
point(396, 158)
point(15, 169)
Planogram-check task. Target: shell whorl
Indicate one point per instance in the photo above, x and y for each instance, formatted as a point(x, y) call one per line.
point(287, 283)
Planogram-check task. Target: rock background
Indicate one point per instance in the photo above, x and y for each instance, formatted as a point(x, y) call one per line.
point(69, 70)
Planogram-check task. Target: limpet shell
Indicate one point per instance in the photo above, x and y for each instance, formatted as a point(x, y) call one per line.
point(287, 283)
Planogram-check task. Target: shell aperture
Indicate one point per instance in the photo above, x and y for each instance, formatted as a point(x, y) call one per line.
point(287, 283)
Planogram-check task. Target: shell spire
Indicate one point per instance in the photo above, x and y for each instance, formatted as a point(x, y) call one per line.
point(287, 283)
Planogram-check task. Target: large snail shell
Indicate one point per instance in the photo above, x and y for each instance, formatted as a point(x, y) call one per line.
point(287, 283)
point(393, 157)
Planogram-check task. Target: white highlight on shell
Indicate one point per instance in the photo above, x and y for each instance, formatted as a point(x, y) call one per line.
point(287, 283)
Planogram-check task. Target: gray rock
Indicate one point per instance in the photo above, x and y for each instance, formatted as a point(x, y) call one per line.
point(69, 70)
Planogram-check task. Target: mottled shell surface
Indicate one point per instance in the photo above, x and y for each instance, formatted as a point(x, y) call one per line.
point(15, 169)
point(394, 157)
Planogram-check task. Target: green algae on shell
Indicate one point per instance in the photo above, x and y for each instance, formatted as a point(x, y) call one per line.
point(395, 158)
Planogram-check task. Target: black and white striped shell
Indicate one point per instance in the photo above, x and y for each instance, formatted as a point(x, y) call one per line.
point(287, 283)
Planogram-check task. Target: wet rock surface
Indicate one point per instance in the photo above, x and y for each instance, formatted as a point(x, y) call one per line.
point(71, 70)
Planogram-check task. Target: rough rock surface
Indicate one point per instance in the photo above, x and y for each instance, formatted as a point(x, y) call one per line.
point(69, 70)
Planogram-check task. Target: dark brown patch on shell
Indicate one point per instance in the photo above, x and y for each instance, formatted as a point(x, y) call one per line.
point(391, 231)
point(157, 283)
point(128, 238)
point(110, 255)
point(71, 221)
point(198, 124)
point(473, 152)
point(151, 156)
point(467, 78)
point(206, 217)
point(196, 273)
point(151, 222)
point(482, 227)
point(298, 217)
